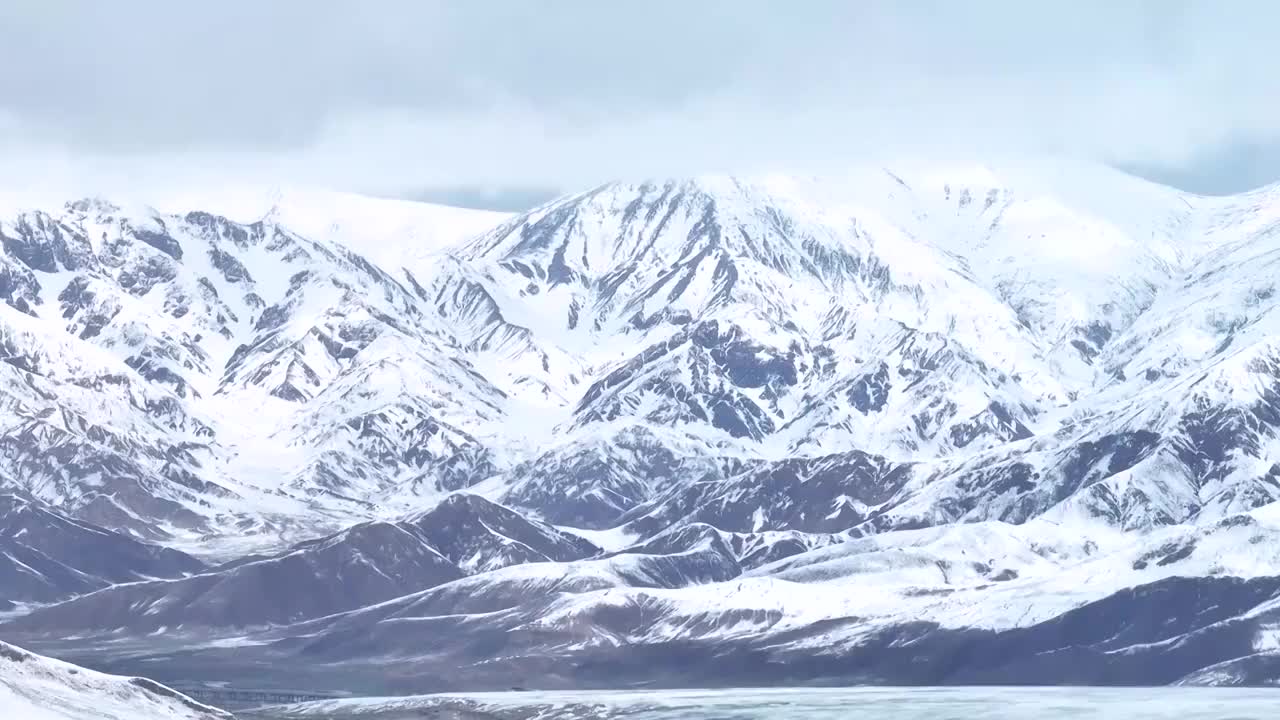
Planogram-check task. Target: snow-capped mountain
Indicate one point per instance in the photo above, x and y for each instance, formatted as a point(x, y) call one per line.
point(167, 373)
point(972, 330)
point(592, 350)
point(759, 421)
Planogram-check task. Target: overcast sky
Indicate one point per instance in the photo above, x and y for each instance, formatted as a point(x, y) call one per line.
point(499, 101)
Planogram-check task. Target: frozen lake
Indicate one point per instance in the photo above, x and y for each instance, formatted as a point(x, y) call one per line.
point(816, 704)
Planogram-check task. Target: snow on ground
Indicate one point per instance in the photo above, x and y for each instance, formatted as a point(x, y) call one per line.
point(811, 704)
point(611, 540)
point(982, 575)
point(39, 688)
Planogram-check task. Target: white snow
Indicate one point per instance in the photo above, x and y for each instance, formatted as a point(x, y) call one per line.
point(38, 688)
point(392, 233)
point(992, 703)
point(611, 540)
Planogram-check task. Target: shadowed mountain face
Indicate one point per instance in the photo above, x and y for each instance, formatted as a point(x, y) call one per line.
point(478, 535)
point(363, 565)
point(901, 426)
point(46, 556)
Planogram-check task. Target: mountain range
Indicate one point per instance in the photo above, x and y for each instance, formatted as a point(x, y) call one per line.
point(1003, 424)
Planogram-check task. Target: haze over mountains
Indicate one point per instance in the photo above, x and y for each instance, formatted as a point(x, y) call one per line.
point(1002, 424)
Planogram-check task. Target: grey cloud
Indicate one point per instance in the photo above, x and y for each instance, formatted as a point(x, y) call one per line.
point(394, 96)
point(508, 199)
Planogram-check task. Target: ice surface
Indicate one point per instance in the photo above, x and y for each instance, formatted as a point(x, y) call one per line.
point(810, 704)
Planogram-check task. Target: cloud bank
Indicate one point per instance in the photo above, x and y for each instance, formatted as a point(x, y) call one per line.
point(392, 96)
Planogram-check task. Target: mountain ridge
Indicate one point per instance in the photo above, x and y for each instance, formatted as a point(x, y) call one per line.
point(708, 415)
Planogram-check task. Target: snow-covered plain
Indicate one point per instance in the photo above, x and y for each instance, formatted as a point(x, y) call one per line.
point(811, 704)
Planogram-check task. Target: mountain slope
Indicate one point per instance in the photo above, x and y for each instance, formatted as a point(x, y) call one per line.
point(39, 688)
point(981, 603)
point(363, 565)
point(45, 556)
point(177, 374)
point(396, 235)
